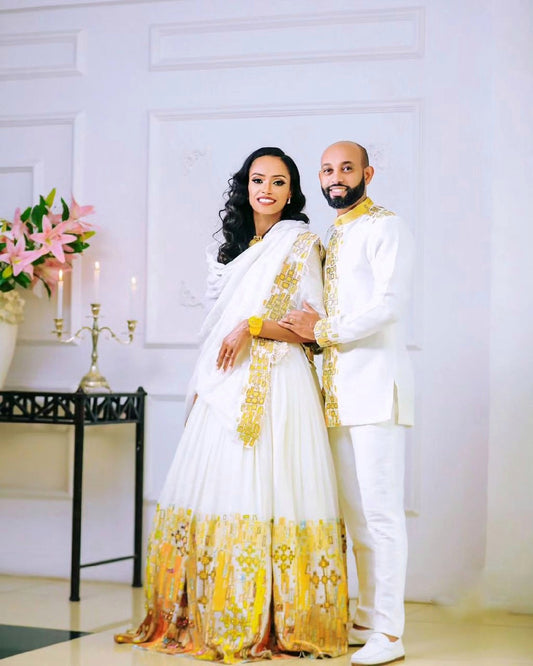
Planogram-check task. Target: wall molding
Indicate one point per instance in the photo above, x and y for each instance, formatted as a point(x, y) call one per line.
point(158, 119)
point(33, 167)
point(63, 492)
point(410, 46)
point(20, 6)
point(269, 111)
point(73, 63)
point(76, 121)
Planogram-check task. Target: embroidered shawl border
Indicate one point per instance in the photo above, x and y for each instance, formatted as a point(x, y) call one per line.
point(264, 353)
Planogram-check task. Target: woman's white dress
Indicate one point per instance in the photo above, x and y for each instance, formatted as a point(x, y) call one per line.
point(246, 555)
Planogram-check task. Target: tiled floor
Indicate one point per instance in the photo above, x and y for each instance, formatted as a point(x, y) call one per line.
point(434, 636)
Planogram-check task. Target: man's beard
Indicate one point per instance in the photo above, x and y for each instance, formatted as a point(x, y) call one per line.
point(353, 194)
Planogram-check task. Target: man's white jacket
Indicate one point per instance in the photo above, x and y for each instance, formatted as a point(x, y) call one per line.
point(367, 282)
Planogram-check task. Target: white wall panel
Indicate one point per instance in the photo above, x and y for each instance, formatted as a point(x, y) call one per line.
point(189, 167)
point(35, 461)
point(38, 153)
point(274, 40)
point(42, 54)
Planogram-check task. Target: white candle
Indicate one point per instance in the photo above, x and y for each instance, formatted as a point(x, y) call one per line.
point(59, 314)
point(96, 282)
point(132, 310)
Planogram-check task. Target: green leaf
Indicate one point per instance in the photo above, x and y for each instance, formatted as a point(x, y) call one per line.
point(66, 211)
point(37, 217)
point(23, 279)
point(7, 272)
point(26, 214)
point(48, 291)
point(87, 234)
point(6, 285)
point(50, 198)
point(78, 246)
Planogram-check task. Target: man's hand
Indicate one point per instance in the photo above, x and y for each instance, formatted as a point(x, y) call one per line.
point(232, 345)
point(301, 322)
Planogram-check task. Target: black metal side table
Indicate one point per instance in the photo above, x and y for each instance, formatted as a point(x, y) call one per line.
point(85, 409)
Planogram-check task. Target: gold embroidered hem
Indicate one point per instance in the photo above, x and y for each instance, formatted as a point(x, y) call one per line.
point(215, 583)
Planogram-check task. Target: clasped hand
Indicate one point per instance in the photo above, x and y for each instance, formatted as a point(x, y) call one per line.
point(301, 322)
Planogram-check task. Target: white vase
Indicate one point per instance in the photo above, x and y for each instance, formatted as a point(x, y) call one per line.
point(8, 339)
point(11, 308)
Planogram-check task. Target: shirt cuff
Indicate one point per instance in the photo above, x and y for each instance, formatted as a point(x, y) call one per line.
point(325, 332)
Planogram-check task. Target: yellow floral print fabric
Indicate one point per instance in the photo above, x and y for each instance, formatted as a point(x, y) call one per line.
point(215, 584)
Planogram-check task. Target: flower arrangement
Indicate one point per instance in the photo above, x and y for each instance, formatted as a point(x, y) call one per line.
point(39, 243)
point(11, 307)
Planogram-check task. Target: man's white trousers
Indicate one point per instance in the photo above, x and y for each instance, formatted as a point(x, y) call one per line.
point(370, 465)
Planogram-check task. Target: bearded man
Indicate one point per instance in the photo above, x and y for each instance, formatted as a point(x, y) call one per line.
point(368, 390)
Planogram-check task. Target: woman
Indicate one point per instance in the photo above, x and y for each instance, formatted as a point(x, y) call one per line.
point(246, 553)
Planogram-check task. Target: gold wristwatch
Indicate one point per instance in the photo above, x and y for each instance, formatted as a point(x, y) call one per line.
point(255, 324)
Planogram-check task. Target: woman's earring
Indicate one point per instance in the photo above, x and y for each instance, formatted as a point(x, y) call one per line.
point(288, 201)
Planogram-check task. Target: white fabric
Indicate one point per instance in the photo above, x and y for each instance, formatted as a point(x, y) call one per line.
point(373, 283)
point(369, 463)
point(241, 288)
point(246, 552)
point(290, 467)
point(289, 472)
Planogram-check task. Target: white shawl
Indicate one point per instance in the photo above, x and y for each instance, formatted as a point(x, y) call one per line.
point(242, 288)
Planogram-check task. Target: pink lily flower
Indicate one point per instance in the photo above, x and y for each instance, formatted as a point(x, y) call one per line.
point(52, 239)
point(13, 230)
point(55, 218)
point(20, 259)
point(77, 211)
point(5, 233)
point(75, 224)
point(48, 272)
point(18, 227)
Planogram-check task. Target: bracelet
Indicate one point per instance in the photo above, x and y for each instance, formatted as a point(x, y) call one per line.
point(255, 324)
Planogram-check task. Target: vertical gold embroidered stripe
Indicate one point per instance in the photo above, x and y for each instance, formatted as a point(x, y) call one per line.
point(263, 352)
point(331, 300)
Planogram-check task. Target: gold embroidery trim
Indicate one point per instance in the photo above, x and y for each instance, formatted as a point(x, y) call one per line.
point(331, 300)
point(263, 352)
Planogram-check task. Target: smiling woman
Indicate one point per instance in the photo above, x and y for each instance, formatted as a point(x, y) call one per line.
point(251, 211)
point(245, 557)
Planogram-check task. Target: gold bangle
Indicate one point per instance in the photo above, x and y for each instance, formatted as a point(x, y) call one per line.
point(255, 324)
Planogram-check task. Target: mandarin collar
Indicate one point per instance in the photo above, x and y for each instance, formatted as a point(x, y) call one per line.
point(361, 209)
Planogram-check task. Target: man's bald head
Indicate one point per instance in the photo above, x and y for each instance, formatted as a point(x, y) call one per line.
point(352, 150)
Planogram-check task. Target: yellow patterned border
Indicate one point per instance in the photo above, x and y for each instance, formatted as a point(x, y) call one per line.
point(214, 580)
point(263, 352)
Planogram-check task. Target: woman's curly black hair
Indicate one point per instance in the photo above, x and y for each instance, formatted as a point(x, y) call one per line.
point(237, 215)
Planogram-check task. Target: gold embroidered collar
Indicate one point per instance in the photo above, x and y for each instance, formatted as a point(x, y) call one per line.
point(361, 209)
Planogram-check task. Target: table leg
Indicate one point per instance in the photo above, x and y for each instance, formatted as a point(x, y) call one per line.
point(77, 503)
point(139, 470)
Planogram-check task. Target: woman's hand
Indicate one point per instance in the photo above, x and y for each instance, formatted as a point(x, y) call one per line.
point(232, 345)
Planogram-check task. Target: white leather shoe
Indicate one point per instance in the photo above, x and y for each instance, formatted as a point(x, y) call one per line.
point(358, 636)
point(379, 650)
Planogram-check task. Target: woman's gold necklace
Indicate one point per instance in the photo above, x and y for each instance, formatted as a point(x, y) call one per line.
point(257, 239)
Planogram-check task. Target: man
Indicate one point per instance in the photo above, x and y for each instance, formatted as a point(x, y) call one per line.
point(368, 390)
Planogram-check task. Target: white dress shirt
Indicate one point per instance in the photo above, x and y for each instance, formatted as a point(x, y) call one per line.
point(367, 279)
